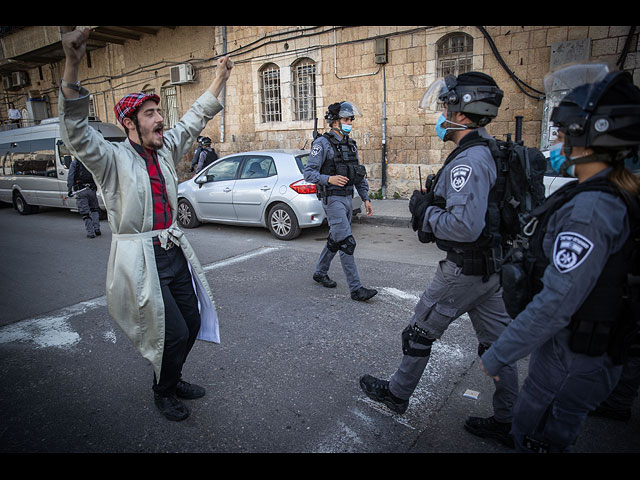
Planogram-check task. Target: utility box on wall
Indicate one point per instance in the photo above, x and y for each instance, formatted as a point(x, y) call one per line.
point(382, 53)
point(562, 53)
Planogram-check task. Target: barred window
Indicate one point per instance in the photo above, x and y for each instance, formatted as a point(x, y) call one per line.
point(455, 54)
point(169, 105)
point(304, 89)
point(270, 100)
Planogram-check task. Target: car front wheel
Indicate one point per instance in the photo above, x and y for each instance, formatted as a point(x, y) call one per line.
point(186, 215)
point(282, 222)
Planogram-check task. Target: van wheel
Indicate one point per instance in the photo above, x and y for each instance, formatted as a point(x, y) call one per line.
point(186, 215)
point(282, 222)
point(21, 205)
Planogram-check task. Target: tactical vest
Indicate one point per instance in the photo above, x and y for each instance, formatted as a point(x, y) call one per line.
point(211, 157)
point(482, 256)
point(602, 324)
point(82, 175)
point(345, 163)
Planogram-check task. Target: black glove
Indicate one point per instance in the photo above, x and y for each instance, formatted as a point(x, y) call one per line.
point(417, 206)
point(70, 193)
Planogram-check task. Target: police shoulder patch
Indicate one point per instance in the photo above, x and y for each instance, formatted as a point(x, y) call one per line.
point(315, 150)
point(570, 250)
point(459, 176)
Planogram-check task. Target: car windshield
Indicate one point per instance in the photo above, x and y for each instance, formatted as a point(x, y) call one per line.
point(301, 161)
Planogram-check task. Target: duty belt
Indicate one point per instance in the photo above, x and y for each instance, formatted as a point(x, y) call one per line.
point(474, 262)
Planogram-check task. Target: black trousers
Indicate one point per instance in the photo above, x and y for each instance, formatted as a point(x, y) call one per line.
point(182, 317)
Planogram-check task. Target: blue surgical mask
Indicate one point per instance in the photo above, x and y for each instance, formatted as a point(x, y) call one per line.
point(557, 158)
point(441, 131)
point(346, 128)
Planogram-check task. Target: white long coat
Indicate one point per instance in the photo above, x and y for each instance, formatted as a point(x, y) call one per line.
point(134, 298)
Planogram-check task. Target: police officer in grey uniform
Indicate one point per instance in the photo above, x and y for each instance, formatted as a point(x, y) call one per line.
point(575, 322)
point(466, 281)
point(80, 184)
point(334, 167)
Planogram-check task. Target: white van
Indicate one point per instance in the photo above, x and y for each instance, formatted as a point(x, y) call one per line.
point(34, 165)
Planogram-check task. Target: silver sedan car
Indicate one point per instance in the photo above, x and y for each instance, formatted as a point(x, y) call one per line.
point(262, 188)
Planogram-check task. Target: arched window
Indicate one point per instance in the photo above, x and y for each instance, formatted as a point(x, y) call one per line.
point(454, 54)
point(270, 101)
point(303, 74)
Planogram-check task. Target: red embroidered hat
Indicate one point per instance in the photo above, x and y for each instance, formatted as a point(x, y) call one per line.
point(128, 104)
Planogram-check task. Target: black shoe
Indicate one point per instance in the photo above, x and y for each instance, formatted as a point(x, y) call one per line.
point(98, 233)
point(91, 235)
point(189, 391)
point(172, 408)
point(363, 294)
point(604, 410)
point(324, 280)
point(378, 390)
point(490, 428)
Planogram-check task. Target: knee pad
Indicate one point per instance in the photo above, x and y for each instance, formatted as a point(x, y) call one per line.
point(348, 245)
point(332, 246)
point(415, 334)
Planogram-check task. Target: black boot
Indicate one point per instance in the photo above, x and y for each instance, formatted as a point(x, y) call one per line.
point(490, 428)
point(363, 294)
point(172, 408)
point(378, 390)
point(324, 280)
point(189, 391)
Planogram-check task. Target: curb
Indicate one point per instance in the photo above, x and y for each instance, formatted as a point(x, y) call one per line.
point(387, 221)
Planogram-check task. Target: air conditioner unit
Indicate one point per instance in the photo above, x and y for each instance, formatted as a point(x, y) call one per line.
point(181, 74)
point(19, 79)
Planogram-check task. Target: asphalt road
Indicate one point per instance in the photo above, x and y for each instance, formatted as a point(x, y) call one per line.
point(284, 378)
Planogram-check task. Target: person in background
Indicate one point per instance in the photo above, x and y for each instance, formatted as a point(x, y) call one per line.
point(80, 184)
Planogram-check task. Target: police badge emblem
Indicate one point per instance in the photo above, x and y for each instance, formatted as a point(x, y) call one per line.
point(459, 176)
point(316, 150)
point(570, 250)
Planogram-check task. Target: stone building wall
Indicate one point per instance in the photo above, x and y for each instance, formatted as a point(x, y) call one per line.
point(345, 70)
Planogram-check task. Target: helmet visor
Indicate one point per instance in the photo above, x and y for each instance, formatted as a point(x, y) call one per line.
point(348, 109)
point(431, 100)
point(572, 76)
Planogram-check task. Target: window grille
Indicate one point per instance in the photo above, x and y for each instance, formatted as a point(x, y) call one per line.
point(169, 106)
point(304, 90)
point(455, 54)
point(270, 94)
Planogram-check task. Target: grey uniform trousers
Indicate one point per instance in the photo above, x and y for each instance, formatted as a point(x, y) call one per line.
point(449, 295)
point(87, 203)
point(339, 211)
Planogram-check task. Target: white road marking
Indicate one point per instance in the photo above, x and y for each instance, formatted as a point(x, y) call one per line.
point(53, 330)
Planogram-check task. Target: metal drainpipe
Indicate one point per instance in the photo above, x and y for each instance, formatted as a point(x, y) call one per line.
point(224, 89)
point(384, 135)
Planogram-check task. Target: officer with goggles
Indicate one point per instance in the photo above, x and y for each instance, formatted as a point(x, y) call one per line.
point(576, 321)
point(334, 167)
point(454, 214)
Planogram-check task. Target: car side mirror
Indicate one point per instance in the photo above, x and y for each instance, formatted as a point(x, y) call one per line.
point(201, 180)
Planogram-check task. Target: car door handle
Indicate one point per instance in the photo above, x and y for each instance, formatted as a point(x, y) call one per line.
point(265, 188)
point(228, 189)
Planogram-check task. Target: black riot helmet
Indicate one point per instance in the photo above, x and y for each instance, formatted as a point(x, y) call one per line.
point(605, 113)
point(339, 110)
point(473, 93)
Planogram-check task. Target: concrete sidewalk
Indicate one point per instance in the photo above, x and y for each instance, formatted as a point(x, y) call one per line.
point(392, 213)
